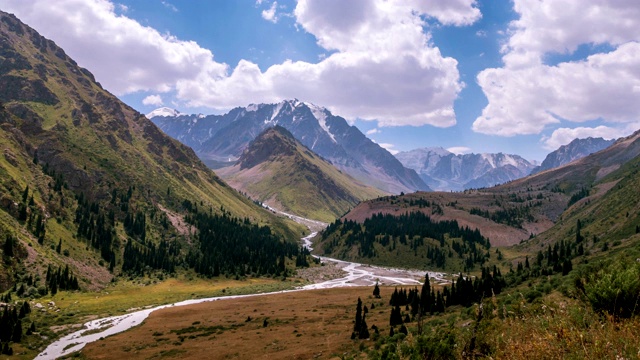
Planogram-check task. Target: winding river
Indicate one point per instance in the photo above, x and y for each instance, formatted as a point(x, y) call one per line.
point(355, 275)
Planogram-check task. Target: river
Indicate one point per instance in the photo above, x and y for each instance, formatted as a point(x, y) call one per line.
point(355, 275)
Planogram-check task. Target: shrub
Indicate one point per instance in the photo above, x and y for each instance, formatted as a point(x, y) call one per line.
point(614, 289)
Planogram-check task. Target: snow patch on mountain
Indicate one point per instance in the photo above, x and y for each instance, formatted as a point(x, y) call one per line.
point(489, 159)
point(163, 111)
point(320, 114)
point(443, 170)
point(276, 112)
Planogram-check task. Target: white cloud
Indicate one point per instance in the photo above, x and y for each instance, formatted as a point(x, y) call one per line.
point(389, 148)
point(123, 55)
point(383, 65)
point(169, 6)
point(459, 150)
point(270, 14)
point(449, 12)
point(373, 131)
point(563, 136)
point(562, 25)
point(152, 100)
point(527, 95)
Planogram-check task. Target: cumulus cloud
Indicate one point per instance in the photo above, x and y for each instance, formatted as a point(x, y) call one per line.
point(389, 148)
point(383, 65)
point(152, 100)
point(459, 150)
point(270, 13)
point(450, 12)
point(527, 95)
point(373, 131)
point(124, 56)
point(563, 136)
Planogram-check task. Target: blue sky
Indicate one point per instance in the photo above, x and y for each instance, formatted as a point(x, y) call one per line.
point(521, 76)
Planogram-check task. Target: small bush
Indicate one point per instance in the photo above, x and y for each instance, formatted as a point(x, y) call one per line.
point(614, 288)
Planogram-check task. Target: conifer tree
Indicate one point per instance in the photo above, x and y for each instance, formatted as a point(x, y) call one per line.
point(25, 194)
point(425, 295)
point(358, 322)
point(376, 291)
point(363, 333)
point(16, 337)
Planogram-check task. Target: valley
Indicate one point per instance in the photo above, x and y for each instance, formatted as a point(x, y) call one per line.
point(281, 229)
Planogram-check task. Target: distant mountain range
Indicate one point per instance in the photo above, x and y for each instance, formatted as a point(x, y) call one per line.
point(219, 140)
point(575, 150)
point(279, 171)
point(444, 171)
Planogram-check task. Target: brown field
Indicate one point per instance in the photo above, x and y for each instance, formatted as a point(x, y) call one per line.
point(301, 325)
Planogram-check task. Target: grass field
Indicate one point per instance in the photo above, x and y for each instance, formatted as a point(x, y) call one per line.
point(301, 325)
point(71, 309)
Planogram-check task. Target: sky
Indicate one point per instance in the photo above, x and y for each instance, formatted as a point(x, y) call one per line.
point(521, 77)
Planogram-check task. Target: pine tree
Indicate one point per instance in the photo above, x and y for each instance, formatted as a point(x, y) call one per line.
point(17, 332)
point(425, 296)
point(358, 322)
point(364, 329)
point(8, 245)
point(31, 328)
point(403, 330)
point(376, 291)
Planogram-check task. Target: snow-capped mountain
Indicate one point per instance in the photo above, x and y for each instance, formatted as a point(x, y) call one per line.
point(443, 170)
point(163, 111)
point(576, 149)
point(220, 139)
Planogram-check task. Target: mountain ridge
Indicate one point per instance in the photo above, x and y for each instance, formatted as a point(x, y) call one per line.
point(220, 139)
point(445, 171)
point(576, 149)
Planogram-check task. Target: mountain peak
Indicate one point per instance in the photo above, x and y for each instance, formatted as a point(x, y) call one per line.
point(224, 137)
point(163, 111)
point(576, 149)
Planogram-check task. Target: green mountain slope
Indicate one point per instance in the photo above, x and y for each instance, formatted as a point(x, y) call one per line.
point(83, 176)
point(523, 216)
point(278, 170)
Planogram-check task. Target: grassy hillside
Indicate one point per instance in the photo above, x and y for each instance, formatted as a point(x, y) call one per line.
point(82, 174)
point(278, 170)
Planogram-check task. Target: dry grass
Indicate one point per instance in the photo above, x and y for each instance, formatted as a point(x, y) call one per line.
point(564, 330)
point(301, 325)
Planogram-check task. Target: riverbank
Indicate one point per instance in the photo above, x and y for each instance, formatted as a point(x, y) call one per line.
point(334, 274)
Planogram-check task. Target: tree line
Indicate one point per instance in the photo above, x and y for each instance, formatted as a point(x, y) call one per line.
point(440, 240)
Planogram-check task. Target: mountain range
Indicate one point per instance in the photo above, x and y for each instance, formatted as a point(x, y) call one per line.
point(444, 171)
point(598, 191)
point(219, 140)
point(94, 195)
